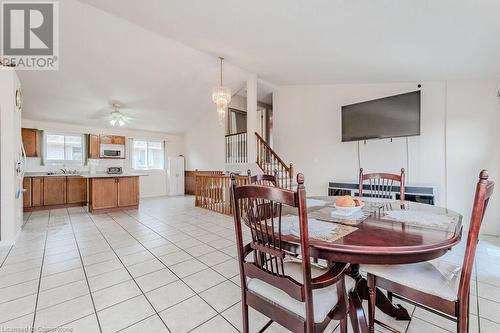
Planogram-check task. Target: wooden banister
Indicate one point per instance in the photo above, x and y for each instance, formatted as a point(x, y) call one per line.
point(270, 163)
point(213, 191)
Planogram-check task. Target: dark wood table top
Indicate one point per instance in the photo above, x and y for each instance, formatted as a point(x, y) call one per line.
point(379, 240)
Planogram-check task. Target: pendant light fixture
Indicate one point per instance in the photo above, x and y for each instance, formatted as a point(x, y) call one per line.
point(222, 97)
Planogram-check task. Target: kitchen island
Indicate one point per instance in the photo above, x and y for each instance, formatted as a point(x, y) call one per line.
point(101, 191)
point(109, 192)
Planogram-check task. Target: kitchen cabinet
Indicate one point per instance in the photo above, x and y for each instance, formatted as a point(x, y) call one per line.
point(93, 145)
point(112, 140)
point(37, 191)
point(30, 141)
point(104, 193)
point(54, 191)
point(111, 193)
point(27, 192)
point(76, 189)
point(128, 191)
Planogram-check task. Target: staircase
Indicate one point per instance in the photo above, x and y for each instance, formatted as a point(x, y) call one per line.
point(270, 163)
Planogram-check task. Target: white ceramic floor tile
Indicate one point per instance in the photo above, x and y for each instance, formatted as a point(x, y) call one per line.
point(203, 280)
point(64, 313)
point(217, 324)
point(222, 296)
point(124, 314)
point(169, 295)
point(187, 315)
point(151, 324)
point(188, 267)
point(115, 294)
point(156, 279)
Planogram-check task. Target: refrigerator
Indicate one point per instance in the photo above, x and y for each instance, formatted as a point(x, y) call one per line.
point(12, 157)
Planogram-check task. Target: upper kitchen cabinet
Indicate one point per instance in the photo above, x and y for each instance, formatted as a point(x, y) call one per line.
point(112, 140)
point(93, 145)
point(30, 141)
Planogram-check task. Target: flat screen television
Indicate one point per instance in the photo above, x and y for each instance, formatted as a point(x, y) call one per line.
point(388, 117)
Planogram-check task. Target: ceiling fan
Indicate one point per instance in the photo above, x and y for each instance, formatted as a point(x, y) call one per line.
point(117, 117)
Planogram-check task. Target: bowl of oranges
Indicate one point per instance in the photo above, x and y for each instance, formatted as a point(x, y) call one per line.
point(348, 204)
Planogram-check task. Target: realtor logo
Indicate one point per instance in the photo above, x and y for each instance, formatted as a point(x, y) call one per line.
point(30, 35)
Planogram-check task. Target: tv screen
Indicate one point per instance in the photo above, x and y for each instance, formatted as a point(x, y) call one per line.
point(388, 117)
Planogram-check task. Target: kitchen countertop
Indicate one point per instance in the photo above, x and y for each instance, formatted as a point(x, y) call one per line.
point(85, 175)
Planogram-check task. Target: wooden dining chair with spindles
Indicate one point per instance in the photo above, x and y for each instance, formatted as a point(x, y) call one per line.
point(293, 293)
point(381, 185)
point(439, 286)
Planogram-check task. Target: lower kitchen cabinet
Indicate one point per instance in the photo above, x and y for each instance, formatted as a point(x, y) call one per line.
point(110, 193)
point(103, 193)
point(27, 192)
point(48, 192)
point(54, 191)
point(76, 190)
point(37, 191)
point(128, 191)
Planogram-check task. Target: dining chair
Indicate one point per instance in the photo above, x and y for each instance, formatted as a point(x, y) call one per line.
point(292, 293)
point(443, 288)
point(381, 184)
point(263, 179)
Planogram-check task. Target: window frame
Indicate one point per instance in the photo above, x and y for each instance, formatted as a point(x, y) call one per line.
point(148, 167)
point(63, 161)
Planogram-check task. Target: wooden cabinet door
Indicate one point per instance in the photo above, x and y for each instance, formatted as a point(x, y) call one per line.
point(128, 191)
point(106, 139)
point(76, 190)
point(118, 140)
point(27, 192)
point(104, 193)
point(37, 191)
point(93, 146)
point(30, 141)
point(54, 191)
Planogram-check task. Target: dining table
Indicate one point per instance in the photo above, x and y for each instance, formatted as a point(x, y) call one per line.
point(385, 232)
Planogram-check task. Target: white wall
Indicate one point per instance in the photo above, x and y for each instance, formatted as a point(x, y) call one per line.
point(458, 138)
point(155, 184)
point(11, 209)
point(205, 147)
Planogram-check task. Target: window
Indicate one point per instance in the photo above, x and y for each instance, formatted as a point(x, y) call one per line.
point(147, 155)
point(61, 147)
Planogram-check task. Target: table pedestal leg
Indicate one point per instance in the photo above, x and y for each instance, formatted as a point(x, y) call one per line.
point(382, 302)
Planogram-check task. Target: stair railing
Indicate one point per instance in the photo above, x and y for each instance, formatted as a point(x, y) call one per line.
point(270, 163)
point(236, 148)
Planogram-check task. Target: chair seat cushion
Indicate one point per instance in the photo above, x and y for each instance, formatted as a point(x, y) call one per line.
point(438, 278)
point(324, 299)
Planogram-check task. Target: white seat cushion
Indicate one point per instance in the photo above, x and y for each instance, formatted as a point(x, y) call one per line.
point(437, 278)
point(324, 299)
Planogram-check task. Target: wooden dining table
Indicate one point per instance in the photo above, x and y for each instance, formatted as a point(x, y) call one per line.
point(379, 239)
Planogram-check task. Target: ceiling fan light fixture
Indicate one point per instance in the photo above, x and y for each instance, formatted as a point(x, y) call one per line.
point(121, 122)
point(112, 122)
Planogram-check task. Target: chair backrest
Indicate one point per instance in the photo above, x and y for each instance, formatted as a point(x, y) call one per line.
point(381, 184)
point(263, 215)
point(263, 179)
point(484, 190)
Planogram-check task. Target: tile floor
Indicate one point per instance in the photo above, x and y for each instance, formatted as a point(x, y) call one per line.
point(167, 267)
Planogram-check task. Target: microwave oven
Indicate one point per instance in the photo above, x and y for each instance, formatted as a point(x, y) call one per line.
point(112, 151)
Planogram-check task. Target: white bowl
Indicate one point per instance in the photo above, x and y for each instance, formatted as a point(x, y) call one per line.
point(350, 209)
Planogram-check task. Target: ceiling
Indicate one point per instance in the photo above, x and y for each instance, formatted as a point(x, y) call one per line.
point(332, 41)
point(158, 58)
point(164, 85)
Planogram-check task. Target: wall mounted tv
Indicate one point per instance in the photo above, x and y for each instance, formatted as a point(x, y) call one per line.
point(388, 117)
